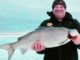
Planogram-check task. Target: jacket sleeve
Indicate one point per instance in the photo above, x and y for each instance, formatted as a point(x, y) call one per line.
point(77, 26)
point(41, 52)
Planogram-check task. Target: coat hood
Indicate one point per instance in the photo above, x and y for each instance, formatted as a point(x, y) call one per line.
point(67, 16)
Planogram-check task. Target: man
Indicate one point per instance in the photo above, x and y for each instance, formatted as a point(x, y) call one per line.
point(60, 18)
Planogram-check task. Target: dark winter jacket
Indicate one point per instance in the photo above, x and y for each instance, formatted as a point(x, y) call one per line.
point(64, 52)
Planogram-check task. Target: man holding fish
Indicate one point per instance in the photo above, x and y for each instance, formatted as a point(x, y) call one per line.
point(59, 17)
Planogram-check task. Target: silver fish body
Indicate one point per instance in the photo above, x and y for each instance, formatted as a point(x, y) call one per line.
point(49, 36)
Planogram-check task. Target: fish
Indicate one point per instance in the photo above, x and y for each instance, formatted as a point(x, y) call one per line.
point(49, 36)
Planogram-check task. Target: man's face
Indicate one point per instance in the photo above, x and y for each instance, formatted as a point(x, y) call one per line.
point(59, 11)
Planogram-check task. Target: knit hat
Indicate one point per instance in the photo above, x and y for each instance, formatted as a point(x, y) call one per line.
point(58, 2)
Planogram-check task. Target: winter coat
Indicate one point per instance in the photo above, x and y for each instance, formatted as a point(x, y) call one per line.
point(64, 52)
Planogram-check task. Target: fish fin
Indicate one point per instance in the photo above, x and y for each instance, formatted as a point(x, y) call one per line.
point(19, 38)
point(9, 49)
point(23, 51)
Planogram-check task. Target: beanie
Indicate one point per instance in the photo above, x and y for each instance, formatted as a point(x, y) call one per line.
point(56, 2)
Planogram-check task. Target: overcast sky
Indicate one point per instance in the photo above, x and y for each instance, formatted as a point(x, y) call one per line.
point(25, 15)
point(20, 16)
